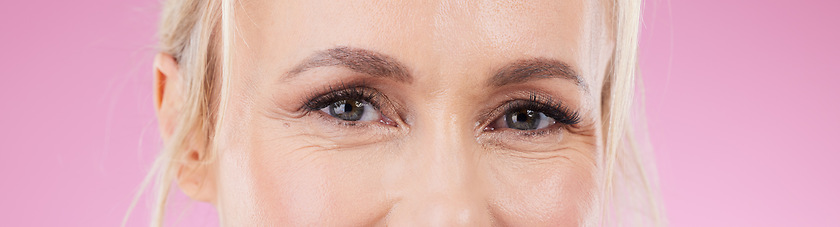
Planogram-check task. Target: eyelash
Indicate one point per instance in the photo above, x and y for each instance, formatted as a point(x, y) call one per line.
point(341, 92)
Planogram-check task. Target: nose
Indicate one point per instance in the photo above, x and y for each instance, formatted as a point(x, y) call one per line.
point(441, 185)
point(438, 210)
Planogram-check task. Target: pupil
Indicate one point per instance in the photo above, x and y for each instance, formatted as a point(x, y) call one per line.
point(521, 117)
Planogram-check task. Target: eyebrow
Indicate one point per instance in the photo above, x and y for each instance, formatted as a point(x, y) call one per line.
point(525, 70)
point(359, 60)
point(380, 65)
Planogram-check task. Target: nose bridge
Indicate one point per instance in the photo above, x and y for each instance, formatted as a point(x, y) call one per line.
point(443, 188)
point(449, 153)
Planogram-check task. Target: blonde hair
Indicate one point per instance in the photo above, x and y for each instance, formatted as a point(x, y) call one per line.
point(198, 34)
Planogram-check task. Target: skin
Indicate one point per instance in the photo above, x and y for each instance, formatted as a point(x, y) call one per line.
point(438, 159)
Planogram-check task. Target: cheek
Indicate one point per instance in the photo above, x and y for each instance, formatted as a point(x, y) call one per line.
point(543, 194)
point(288, 182)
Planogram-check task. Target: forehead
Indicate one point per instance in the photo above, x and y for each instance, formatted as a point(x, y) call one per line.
point(431, 37)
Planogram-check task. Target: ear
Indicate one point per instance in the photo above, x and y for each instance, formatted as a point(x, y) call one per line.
point(194, 174)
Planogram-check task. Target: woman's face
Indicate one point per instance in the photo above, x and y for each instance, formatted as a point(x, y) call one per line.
point(427, 113)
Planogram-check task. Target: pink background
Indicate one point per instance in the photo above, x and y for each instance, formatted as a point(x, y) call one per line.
point(742, 100)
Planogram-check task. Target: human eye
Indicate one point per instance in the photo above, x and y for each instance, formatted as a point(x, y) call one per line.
point(350, 105)
point(534, 116)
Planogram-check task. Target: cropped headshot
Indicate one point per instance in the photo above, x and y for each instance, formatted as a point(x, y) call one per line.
point(404, 113)
point(420, 113)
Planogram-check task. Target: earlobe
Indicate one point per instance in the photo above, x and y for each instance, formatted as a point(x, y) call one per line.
point(195, 177)
point(194, 173)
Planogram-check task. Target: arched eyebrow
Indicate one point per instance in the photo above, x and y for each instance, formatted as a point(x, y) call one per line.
point(525, 70)
point(359, 60)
